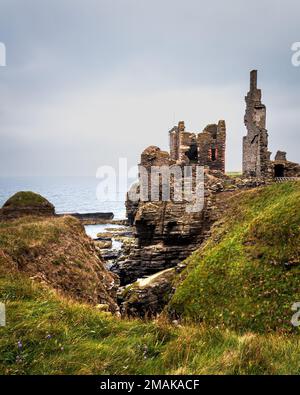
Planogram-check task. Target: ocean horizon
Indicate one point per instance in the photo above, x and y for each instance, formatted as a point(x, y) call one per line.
point(67, 193)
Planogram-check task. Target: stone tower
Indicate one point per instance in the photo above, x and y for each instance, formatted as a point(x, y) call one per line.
point(256, 157)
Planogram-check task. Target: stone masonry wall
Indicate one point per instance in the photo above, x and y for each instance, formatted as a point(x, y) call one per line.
point(205, 149)
point(256, 156)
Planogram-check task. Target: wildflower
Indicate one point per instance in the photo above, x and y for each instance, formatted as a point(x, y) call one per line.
point(20, 345)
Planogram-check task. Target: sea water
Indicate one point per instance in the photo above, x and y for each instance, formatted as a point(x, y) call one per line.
point(67, 194)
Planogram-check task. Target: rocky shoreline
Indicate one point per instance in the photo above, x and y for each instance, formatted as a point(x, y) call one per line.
point(91, 218)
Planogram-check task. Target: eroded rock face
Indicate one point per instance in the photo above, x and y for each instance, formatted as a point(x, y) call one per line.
point(26, 203)
point(131, 205)
point(166, 233)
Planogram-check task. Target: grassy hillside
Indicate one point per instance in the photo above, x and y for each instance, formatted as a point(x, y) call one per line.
point(46, 334)
point(56, 251)
point(247, 276)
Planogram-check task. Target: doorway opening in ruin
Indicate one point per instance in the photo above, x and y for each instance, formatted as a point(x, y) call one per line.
point(279, 170)
point(213, 154)
point(192, 153)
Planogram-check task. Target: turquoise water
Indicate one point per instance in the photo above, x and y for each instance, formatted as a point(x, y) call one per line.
point(93, 230)
point(68, 194)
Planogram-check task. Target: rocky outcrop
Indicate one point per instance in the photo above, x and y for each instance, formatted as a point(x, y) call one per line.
point(92, 218)
point(167, 232)
point(131, 205)
point(165, 235)
point(26, 203)
point(147, 297)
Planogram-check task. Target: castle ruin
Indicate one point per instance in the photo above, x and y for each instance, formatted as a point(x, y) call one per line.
point(208, 148)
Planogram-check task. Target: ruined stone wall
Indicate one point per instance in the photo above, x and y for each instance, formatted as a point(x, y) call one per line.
point(256, 156)
point(280, 155)
point(290, 169)
point(212, 145)
point(281, 167)
point(206, 148)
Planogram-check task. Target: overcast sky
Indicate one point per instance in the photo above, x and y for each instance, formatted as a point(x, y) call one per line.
point(89, 81)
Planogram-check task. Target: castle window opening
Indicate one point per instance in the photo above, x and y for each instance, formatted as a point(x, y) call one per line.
point(213, 154)
point(192, 153)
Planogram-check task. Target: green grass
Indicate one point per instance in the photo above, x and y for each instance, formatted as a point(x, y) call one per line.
point(234, 174)
point(26, 198)
point(238, 279)
point(46, 334)
point(27, 235)
point(34, 231)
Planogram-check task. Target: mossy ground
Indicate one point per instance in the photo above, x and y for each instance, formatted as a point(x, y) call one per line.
point(247, 276)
